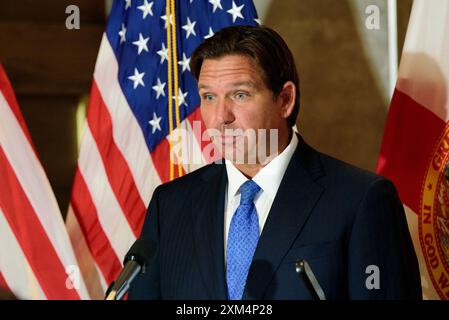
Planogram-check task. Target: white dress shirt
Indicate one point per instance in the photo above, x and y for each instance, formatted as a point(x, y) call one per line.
point(268, 178)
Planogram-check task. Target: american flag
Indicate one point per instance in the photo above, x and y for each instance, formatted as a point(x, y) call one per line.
point(36, 257)
point(142, 95)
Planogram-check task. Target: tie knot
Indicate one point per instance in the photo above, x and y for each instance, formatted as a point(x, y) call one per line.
point(248, 191)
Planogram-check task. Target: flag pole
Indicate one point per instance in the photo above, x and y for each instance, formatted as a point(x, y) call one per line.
point(392, 46)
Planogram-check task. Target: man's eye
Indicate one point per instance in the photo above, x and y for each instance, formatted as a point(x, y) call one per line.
point(208, 97)
point(241, 95)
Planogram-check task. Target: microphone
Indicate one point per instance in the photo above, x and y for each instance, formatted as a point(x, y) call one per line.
point(306, 274)
point(139, 256)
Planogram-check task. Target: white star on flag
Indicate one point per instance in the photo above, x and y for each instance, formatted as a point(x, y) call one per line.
point(155, 123)
point(236, 11)
point(216, 4)
point(137, 78)
point(189, 28)
point(184, 63)
point(257, 21)
point(211, 33)
point(181, 98)
point(146, 9)
point(141, 44)
point(164, 17)
point(163, 53)
point(159, 88)
point(128, 4)
point(122, 34)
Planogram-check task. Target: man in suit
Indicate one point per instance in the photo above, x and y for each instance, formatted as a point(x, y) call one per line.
point(234, 230)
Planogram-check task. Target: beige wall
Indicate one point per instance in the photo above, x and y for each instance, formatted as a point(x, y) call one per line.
point(343, 102)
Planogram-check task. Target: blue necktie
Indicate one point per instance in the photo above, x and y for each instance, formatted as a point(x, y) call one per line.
point(242, 241)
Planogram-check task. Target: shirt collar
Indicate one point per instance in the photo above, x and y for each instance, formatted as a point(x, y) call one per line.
point(235, 178)
point(269, 177)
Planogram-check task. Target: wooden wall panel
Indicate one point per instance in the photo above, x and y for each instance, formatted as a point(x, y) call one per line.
point(51, 122)
point(49, 59)
point(51, 11)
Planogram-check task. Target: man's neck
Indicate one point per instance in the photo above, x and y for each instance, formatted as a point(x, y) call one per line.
point(250, 170)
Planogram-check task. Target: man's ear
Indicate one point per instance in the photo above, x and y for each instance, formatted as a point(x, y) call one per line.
point(287, 98)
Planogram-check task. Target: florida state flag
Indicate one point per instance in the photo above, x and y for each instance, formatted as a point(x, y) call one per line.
point(415, 147)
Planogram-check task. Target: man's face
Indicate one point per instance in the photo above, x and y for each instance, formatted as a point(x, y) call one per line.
point(236, 100)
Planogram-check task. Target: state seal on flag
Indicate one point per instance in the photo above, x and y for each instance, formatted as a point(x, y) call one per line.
point(434, 216)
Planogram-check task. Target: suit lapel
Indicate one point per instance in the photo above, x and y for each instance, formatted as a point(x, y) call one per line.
point(208, 216)
point(295, 199)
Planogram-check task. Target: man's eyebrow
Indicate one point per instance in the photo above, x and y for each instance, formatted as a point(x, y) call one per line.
point(244, 83)
point(235, 84)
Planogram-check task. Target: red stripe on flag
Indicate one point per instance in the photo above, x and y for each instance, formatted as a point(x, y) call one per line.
point(5, 291)
point(117, 169)
point(204, 141)
point(6, 89)
point(99, 245)
point(161, 161)
point(410, 136)
point(31, 236)
point(195, 117)
point(3, 284)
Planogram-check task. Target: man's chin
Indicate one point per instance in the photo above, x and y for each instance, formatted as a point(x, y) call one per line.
point(237, 155)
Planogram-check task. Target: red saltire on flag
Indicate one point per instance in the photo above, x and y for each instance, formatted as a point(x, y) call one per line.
point(415, 147)
point(36, 257)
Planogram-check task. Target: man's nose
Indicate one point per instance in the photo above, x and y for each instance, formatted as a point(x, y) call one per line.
point(225, 112)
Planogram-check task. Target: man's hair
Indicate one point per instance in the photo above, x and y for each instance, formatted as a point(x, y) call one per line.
point(264, 46)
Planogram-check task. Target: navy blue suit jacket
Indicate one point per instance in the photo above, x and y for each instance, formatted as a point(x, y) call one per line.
point(339, 218)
